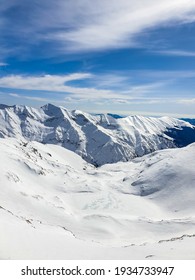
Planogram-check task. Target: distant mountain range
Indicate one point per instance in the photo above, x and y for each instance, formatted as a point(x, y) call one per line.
point(98, 139)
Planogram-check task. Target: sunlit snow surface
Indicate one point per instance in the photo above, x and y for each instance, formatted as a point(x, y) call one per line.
point(98, 139)
point(55, 205)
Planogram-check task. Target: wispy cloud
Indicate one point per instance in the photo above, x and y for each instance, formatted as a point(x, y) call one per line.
point(189, 101)
point(79, 25)
point(53, 83)
point(45, 82)
point(3, 64)
point(142, 101)
point(14, 95)
point(59, 84)
point(114, 24)
point(67, 89)
point(163, 74)
point(144, 88)
point(125, 105)
point(176, 53)
point(34, 98)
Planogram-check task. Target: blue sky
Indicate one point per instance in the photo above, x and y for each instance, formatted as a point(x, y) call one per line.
point(126, 57)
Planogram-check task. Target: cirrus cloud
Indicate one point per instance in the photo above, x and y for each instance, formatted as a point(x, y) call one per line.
point(60, 84)
point(79, 25)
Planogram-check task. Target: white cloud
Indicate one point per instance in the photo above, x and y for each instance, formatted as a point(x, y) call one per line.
point(59, 84)
point(176, 53)
point(144, 88)
point(143, 101)
point(83, 25)
point(3, 64)
point(164, 74)
point(53, 83)
point(113, 24)
point(33, 98)
point(190, 101)
point(45, 82)
point(15, 95)
point(58, 87)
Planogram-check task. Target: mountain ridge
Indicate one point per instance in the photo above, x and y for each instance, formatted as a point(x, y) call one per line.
point(99, 139)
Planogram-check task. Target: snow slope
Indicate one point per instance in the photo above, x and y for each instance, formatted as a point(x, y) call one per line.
point(98, 139)
point(54, 205)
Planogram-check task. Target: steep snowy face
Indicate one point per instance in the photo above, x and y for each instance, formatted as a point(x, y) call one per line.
point(98, 139)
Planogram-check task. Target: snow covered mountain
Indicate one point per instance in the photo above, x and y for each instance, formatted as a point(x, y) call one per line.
point(62, 200)
point(97, 139)
point(55, 205)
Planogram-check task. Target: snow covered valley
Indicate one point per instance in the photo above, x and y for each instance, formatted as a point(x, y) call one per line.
point(56, 205)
